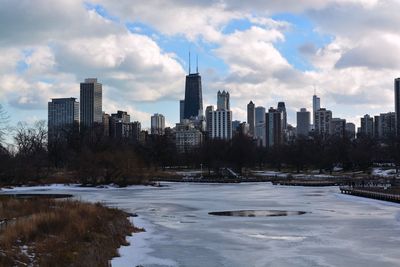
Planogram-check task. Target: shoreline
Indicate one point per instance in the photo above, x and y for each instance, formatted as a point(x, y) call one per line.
point(38, 229)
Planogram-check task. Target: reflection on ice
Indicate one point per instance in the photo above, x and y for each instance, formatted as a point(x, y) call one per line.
point(283, 238)
point(257, 213)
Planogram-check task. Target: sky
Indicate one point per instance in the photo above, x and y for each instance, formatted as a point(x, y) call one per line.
point(264, 51)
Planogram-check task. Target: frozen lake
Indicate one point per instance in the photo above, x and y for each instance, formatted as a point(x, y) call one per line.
point(336, 230)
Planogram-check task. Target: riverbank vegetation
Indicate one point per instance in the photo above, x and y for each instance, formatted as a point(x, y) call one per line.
point(48, 232)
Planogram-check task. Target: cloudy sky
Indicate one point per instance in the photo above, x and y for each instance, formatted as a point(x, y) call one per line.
point(265, 51)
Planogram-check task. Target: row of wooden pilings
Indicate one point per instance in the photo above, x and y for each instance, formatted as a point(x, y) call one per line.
point(369, 194)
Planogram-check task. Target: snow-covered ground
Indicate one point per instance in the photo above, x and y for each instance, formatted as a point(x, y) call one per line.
point(338, 230)
point(384, 172)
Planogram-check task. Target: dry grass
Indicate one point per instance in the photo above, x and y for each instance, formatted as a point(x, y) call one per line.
point(47, 232)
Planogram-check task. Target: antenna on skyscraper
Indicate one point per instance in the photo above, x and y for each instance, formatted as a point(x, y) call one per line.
point(197, 63)
point(189, 61)
point(315, 90)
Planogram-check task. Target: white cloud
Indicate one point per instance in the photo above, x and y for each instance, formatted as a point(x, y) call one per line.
point(67, 43)
point(61, 43)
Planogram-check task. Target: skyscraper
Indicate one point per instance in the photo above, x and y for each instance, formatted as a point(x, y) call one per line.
point(106, 124)
point(193, 106)
point(157, 124)
point(251, 116)
point(91, 103)
point(322, 121)
point(316, 106)
point(135, 129)
point(223, 100)
point(337, 127)
point(397, 104)
point(120, 125)
point(62, 113)
point(273, 125)
point(208, 115)
point(260, 126)
point(367, 126)
point(385, 125)
point(221, 124)
point(303, 122)
point(350, 130)
point(181, 110)
point(282, 109)
point(221, 119)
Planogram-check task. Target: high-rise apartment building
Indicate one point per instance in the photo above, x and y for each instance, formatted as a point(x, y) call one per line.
point(367, 126)
point(135, 129)
point(221, 124)
point(62, 114)
point(322, 121)
point(337, 127)
point(385, 125)
point(251, 117)
point(120, 124)
point(221, 119)
point(157, 124)
point(91, 112)
point(303, 122)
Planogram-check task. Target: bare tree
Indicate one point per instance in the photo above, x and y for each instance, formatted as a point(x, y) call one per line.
point(4, 119)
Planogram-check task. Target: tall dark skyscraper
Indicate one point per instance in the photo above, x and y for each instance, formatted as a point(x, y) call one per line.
point(91, 103)
point(251, 117)
point(193, 95)
point(397, 104)
point(282, 109)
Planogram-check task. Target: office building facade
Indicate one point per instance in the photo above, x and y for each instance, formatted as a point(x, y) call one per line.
point(91, 94)
point(303, 122)
point(63, 113)
point(260, 127)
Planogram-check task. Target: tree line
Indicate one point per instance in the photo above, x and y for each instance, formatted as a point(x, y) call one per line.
point(89, 157)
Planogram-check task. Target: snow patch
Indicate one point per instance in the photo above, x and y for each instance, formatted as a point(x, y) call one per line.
point(137, 253)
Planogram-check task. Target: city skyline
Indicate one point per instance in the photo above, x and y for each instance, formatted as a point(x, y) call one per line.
point(257, 51)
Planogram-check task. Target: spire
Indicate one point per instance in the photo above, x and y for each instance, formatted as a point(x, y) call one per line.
point(197, 63)
point(189, 61)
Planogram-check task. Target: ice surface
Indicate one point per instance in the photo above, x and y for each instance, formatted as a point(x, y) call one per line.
point(338, 230)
